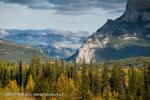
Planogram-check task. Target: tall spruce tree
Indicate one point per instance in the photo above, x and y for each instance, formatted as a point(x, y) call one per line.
point(26, 77)
point(105, 77)
point(147, 80)
point(4, 78)
point(11, 75)
point(35, 64)
point(132, 83)
point(115, 80)
point(20, 76)
point(85, 92)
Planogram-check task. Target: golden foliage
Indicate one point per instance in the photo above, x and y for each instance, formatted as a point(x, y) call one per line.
point(108, 95)
point(30, 85)
point(67, 87)
point(13, 86)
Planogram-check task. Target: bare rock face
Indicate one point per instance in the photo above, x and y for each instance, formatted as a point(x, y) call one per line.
point(127, 36)
point(136, 9)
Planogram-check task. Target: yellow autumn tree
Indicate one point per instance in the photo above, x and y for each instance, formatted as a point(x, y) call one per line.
point(97, 98)
point(53, 98)
point(108, 95)
point(67, 87)
point(13, 86)
point(30, 85)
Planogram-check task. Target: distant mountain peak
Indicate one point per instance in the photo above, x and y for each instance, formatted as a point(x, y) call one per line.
point(135, 9)
point(127, 36)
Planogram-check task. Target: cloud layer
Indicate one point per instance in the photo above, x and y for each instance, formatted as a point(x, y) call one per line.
point(70, 6)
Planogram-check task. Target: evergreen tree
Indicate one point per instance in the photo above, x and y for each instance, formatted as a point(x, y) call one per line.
point(11, 75)
point(38, 86)
point(95, 81)
point(85, 92)
point(147, 80)
point(27, 77)
point(71, 72)
point(105, 77)
point(133, 83)
point(20, 75)
point(35, 64)
point(5, 78)
point(116, 81)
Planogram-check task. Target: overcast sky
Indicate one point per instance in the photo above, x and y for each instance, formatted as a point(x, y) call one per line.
point(65, 15)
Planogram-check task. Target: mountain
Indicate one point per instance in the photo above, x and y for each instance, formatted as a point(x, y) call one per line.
point(13, 52)
point(127, 36)
point(55, 43)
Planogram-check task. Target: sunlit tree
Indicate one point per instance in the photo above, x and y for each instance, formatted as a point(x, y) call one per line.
point(30, 85)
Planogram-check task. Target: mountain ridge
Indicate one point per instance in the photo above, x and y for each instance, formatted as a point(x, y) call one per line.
point(13, 52)
point(55, 43)
point(132, 29)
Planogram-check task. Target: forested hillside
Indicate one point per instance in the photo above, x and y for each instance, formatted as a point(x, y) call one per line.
point(70, 81)
point(14, 52)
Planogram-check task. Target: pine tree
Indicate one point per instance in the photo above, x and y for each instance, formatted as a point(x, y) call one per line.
point(20, 76)
point(11, 75)
point(133, 83)
point(71, 72)
point(147, 80)
point(105, 77)
point(95, 81)
point(27, 77)
point(5, 78)
point(116, 81)
point(85, 92)
point(35, 64)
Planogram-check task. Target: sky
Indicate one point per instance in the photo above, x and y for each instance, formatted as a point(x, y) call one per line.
point(64, 15)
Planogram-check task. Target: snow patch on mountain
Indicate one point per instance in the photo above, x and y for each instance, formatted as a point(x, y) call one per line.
point(127, 37)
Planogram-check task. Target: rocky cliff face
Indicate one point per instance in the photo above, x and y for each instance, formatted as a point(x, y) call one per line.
point(127, 36)
point(136, 9)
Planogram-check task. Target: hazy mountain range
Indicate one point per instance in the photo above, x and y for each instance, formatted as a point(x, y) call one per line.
point(57, 44)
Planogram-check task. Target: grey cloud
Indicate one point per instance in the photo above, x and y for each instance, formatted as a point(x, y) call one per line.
point(70, 6)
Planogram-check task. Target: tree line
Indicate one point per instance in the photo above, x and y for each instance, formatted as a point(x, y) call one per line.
point(77, 81)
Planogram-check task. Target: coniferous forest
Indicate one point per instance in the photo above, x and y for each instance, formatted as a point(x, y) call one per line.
point(59, 80)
